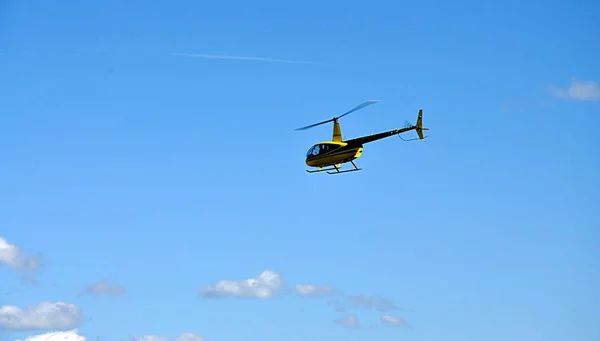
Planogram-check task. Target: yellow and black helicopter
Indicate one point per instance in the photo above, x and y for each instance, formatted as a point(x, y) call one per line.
point(337, 151)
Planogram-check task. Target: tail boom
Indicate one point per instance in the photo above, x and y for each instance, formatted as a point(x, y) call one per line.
point(418, 127)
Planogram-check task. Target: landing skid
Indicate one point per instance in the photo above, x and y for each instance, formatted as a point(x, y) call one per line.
point(320, 170)
point(335, 169)
point(345, 171)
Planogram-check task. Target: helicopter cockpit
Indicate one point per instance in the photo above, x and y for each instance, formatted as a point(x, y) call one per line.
point(319, 149)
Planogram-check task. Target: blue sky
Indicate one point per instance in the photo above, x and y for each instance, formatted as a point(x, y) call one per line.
point(126, 162)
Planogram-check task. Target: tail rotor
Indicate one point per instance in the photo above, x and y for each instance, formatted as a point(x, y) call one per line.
point(418, 127)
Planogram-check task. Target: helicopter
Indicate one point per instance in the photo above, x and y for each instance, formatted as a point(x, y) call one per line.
point(336, 152)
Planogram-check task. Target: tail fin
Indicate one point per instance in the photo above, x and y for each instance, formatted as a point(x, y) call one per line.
point(419, 126)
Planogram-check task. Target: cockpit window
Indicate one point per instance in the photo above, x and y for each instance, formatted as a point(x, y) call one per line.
point(314, 151)
point(320, 149)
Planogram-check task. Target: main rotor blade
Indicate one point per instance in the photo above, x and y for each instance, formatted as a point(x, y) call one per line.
point(358, 107)
point(314, 125)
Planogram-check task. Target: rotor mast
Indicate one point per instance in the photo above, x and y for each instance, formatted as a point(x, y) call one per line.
point(337, 131)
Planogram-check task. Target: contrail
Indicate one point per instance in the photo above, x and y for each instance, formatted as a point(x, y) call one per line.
point(259, 59)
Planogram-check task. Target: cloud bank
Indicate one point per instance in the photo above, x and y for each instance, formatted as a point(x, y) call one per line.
point(44, 316)
point(393, 321)
point(270, 283)
point(70, 335)
point(73, 335)
point(266, 285)
point(182, 337)
point(314, 290)
point(579, 90)
point(13, 256)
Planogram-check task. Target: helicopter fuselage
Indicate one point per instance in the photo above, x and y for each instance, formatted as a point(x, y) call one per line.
point(331, 153)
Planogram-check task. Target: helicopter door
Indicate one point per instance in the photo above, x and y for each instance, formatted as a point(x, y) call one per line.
point(325, 148)
point(319, 149)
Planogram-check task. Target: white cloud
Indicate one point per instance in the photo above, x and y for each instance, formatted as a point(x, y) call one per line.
point(71, 335)
point(314, 290)
point(269, 283)
point(105, 287)
point(151, 338)
point(579, 90)
point(393, 320)
point(16, 258)
point(348, 321)
point(182, 337)
point(44, 316)
point(266, 285)
point(189, 337)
